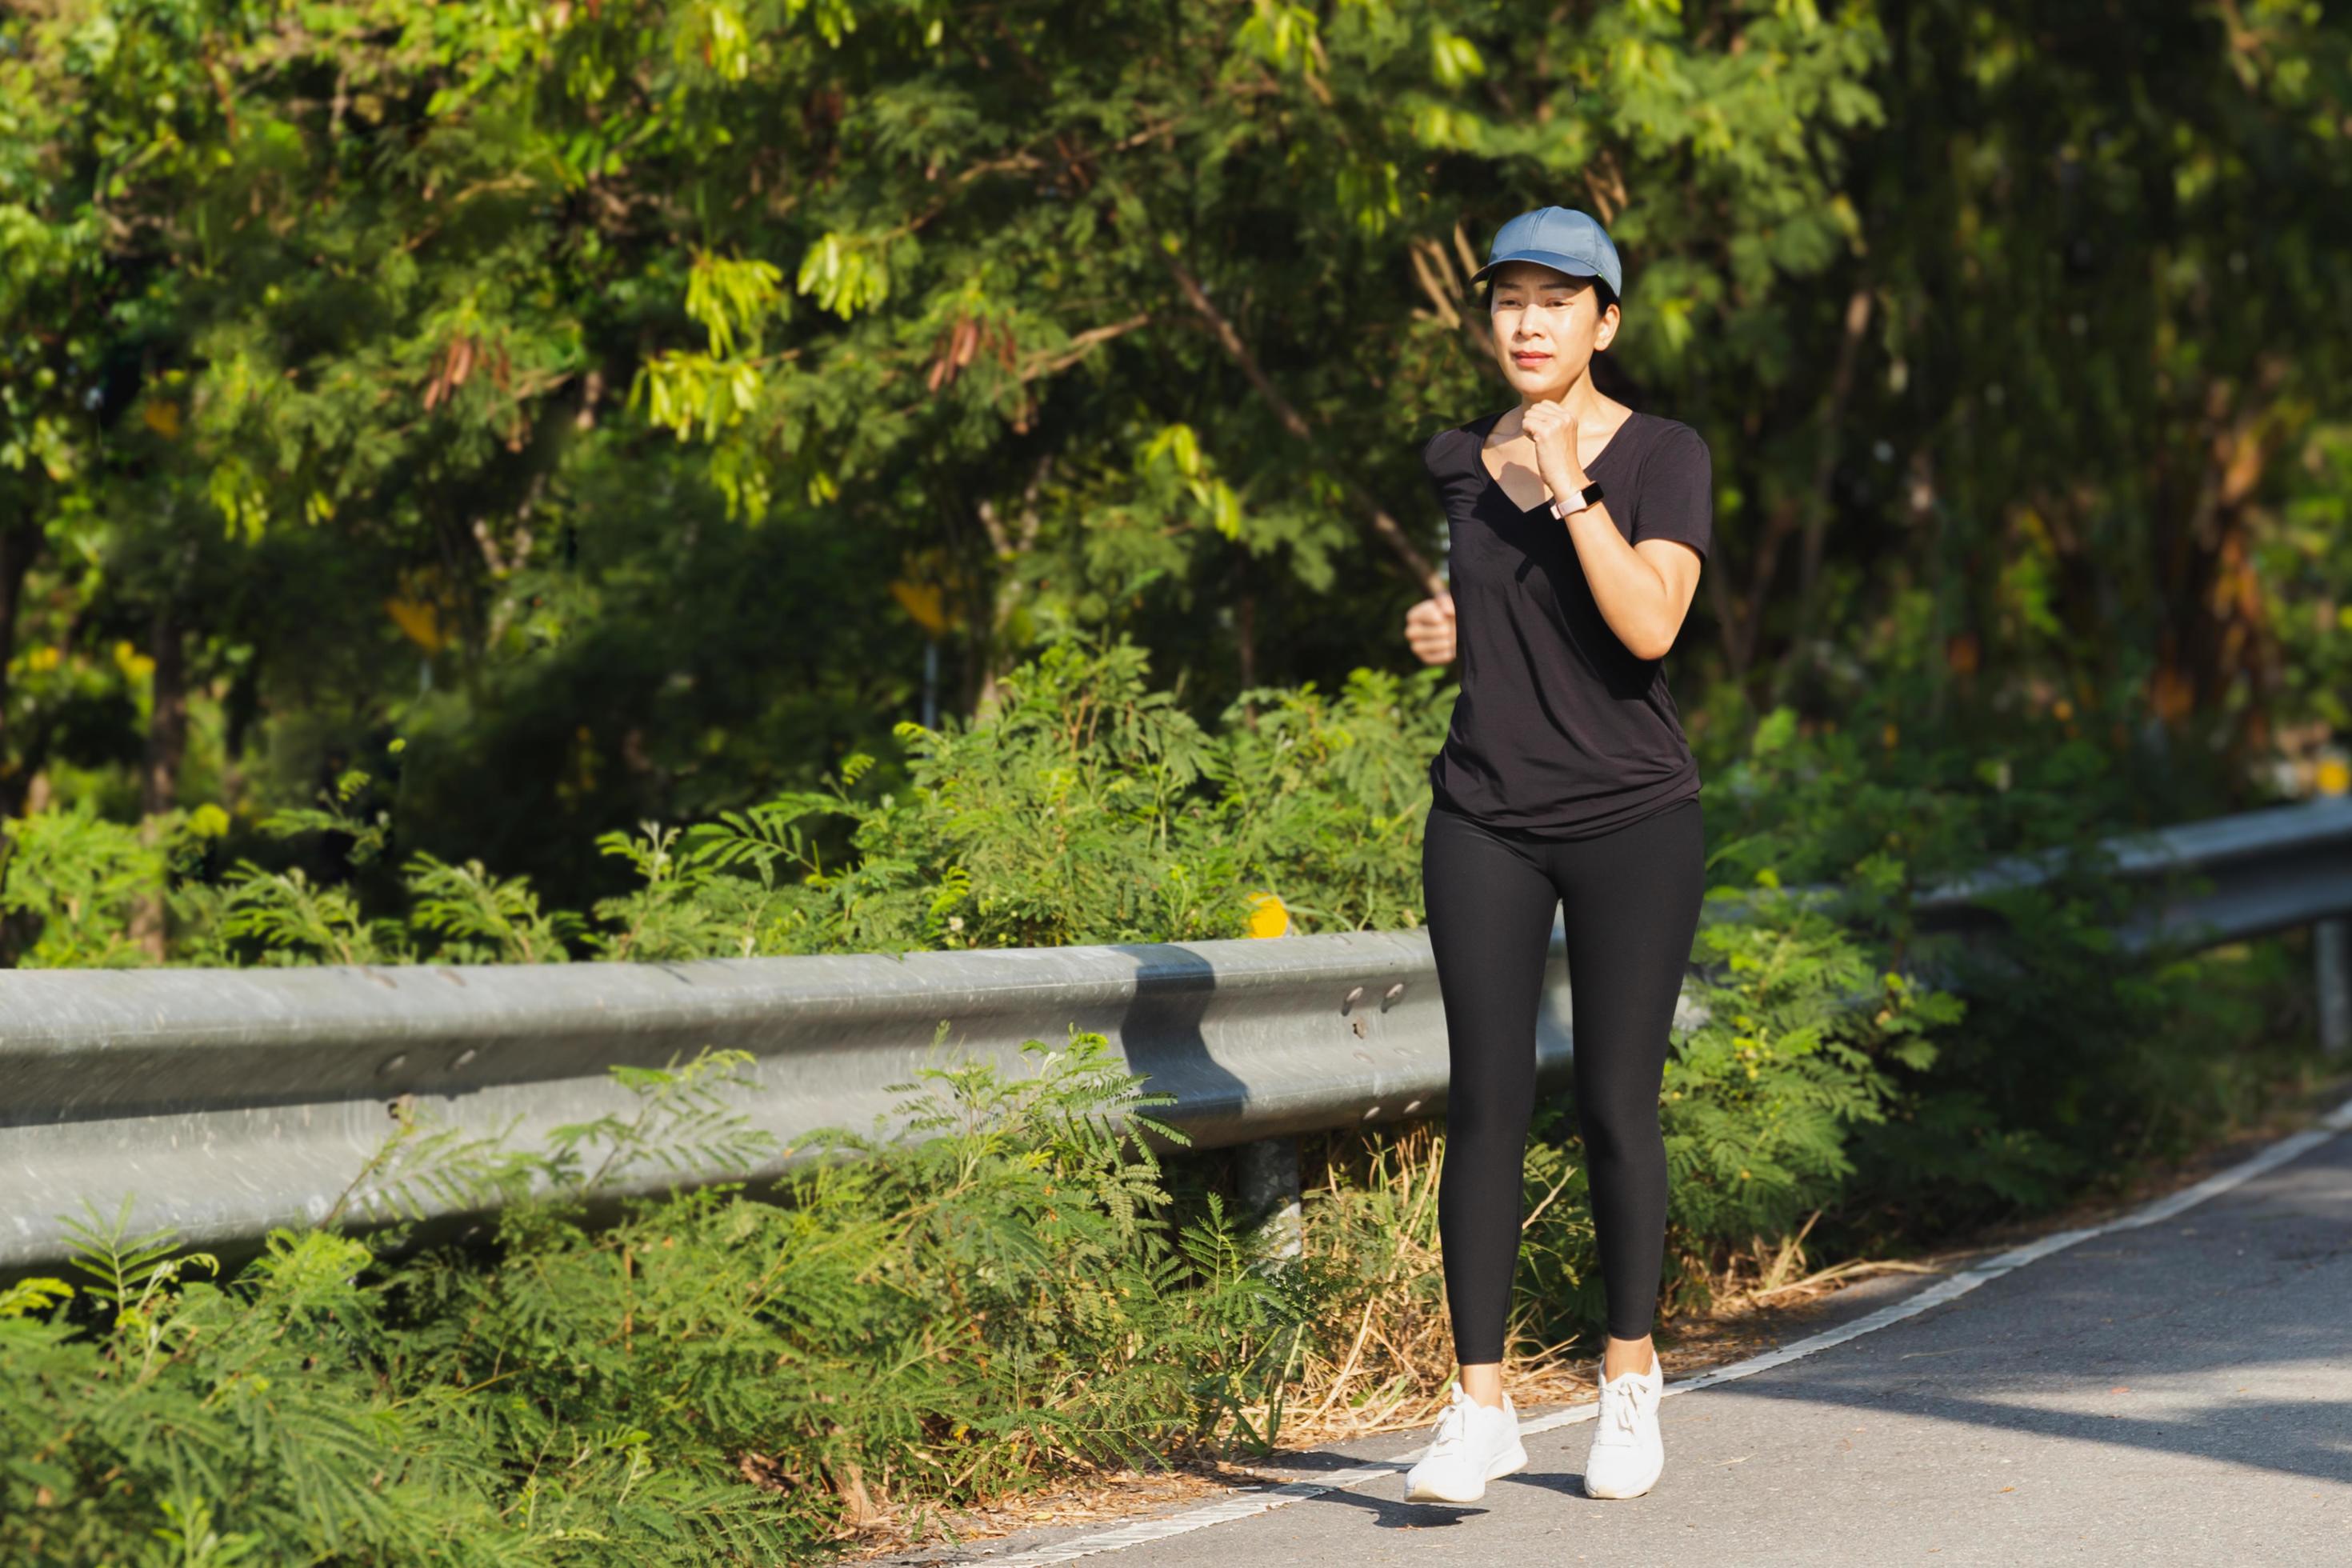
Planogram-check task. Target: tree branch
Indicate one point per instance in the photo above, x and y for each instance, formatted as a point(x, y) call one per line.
point(1082, 345)
point(1384, 526)
point(1434, 271)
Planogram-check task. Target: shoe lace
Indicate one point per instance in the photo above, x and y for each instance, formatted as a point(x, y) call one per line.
point(1451, 1426)
point(1628, 1412)
point(1620, 1410)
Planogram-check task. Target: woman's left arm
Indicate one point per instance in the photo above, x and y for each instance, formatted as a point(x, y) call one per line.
point(1642, 588)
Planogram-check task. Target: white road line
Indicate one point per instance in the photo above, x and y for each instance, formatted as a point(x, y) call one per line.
point(1948, 1288)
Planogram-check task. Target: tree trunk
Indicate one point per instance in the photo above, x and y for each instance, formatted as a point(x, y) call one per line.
point(1009, 548)
point(1245, 647)
point(159, 776)
point(1820, 500)
point(20, 544)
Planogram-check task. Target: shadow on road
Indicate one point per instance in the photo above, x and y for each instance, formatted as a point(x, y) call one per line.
point(1391, 1513)
point(2222, 1334)
point(2311, 1438)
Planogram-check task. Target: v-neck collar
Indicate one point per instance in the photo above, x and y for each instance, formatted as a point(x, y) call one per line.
point(1483, 428)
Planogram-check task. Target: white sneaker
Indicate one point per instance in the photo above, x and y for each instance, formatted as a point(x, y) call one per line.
point(1627, 1453)
point(1474, 1445)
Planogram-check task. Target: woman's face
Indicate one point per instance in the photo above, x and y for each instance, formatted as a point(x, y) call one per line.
point(1546, 327)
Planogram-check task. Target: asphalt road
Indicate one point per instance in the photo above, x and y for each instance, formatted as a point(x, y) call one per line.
point(2181, 1392)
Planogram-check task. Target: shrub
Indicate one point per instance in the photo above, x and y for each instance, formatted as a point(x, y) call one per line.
point(1001, 1292)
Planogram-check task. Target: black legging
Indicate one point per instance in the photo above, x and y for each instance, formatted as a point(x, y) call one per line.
point(1632, 899)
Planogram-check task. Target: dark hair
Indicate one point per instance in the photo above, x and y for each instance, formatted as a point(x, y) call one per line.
point(1605, 294)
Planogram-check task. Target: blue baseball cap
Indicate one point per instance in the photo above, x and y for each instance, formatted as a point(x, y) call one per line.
point(1561, 238)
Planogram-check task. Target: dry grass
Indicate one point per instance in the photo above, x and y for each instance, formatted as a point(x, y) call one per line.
point(1374, 1216)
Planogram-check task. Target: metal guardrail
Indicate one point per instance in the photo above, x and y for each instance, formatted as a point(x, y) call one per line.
point(2269, 871)
point(227, 1101)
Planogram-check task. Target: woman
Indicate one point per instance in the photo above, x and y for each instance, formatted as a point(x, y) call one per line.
point(1577, 527)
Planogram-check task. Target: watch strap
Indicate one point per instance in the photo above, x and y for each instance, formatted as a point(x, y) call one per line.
point(1584, 498)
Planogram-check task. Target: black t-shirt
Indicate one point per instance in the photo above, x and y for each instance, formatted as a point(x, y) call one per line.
point(1560, 731)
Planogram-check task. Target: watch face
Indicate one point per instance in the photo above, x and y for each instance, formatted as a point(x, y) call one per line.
point(1584, 498)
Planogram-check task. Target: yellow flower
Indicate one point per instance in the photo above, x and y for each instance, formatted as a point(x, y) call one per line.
point(1268, 916)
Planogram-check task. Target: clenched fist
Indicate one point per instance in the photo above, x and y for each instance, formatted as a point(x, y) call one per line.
point(1552, 428)
point(1429, 630)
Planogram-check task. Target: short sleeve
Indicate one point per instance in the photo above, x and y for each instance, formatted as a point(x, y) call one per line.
point(1433, 456)
point(1677, 492)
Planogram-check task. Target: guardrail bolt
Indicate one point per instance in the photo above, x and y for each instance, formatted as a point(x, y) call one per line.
point(1267, 1175)
point(2331, 946)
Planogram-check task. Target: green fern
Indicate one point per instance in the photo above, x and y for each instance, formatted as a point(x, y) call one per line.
point(483, 918)
point(684, 1123)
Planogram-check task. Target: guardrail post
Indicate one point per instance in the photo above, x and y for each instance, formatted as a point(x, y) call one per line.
point(1267, 1171)
point(2331, 947)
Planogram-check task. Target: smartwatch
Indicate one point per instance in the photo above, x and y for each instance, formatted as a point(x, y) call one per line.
point(1584, 498)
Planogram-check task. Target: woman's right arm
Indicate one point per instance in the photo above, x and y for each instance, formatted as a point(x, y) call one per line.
point(1429, 630)
point(1428, 625)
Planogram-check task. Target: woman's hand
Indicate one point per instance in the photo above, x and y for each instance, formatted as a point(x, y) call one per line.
point(1429, 630)
point(1552, 428)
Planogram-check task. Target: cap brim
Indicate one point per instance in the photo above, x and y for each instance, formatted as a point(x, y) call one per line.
point(1553, 259)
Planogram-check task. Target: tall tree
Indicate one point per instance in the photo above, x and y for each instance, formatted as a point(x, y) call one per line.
point(615, 397)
